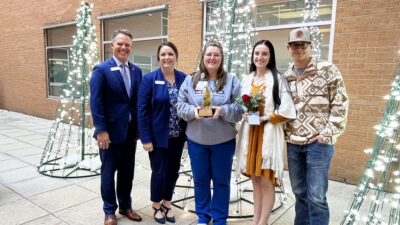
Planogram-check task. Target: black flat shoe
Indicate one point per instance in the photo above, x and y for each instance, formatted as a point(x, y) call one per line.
point(165, 209)
point(158, 220)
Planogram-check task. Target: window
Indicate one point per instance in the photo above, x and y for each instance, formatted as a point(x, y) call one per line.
point(278, 12)
point(58, 43)
point(149, 28)
point(275, 18)
point(279, 39)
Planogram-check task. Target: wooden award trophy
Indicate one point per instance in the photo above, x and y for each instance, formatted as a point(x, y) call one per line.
point(206, 111)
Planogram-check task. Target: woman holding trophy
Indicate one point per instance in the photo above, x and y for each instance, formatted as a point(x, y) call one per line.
point(261, 137)
point(207, 102)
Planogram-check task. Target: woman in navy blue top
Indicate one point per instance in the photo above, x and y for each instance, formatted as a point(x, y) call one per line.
point(162, 132)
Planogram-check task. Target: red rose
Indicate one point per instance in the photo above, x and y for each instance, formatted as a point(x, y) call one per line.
point(246, 98)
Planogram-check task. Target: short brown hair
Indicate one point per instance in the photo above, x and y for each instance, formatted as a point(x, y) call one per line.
point(121, 31)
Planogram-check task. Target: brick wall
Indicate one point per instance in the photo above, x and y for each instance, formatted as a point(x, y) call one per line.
point(366, 50)
point(23, 85)
point(185, 25)
point(22, 60)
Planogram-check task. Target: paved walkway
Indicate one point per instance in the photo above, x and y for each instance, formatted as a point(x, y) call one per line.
point(27, 197)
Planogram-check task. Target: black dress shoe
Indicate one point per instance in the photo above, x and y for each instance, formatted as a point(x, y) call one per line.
point(158, 220)
point(165, 210)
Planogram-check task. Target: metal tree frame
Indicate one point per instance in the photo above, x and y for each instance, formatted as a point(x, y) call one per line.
point(187, 174)
point(70, 137)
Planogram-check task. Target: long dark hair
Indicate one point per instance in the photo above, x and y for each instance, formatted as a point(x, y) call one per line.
point(221, 74)
point(271, 66)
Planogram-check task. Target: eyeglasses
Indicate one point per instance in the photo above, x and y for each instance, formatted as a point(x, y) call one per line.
point(210, 55)
point(302, 45)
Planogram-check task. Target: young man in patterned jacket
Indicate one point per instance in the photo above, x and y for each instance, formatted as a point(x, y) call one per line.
point(321, 103)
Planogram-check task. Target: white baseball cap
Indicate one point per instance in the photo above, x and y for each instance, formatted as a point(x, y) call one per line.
point(299, 34)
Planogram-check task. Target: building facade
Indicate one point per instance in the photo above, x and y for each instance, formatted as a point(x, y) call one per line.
point(362, 37)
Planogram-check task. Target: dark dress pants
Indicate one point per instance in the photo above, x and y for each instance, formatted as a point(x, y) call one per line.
point(165, 164)
point(118, 158)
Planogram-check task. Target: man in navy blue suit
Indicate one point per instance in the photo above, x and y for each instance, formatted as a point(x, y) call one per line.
point(114, 89)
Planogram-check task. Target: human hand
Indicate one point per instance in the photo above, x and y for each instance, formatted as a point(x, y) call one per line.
point(196, 112)
point(263, 119)
point(148, 146)
point(216, 112)
point(317, 138)
point(103, 140)
point(245, 117)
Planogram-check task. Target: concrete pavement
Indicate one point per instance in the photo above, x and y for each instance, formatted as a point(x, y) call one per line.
point(27, 197)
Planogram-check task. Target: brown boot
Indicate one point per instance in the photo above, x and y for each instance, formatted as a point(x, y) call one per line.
point(110, 220)
point(131, 214)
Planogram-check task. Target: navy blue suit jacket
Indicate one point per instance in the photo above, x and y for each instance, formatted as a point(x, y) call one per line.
point(109, 101)
point(154, 108)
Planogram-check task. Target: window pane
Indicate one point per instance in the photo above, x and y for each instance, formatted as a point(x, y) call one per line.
point(279, 40)
point(57, 53)
point(144, 54)
point(57, 70)
point(60, 36)
point(164, 22)
point(141, 26)
point(271, 13)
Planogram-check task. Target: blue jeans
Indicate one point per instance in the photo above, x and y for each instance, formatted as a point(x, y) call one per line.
point(309, 173)
point(212, 162)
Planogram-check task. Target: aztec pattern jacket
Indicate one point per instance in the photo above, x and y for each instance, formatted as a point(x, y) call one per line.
point(321, 103)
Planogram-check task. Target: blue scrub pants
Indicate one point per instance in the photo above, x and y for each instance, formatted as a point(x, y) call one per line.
point(212, 162)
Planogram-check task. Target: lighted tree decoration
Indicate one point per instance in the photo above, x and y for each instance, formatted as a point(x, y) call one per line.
point(70, 149)
point(231, 23)
point(377, 196)
point(311, 15)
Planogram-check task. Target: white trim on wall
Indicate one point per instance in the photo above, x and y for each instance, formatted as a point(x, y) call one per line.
point(332, 34)
point(133, 12)
point(143, 39)
point(59, 25)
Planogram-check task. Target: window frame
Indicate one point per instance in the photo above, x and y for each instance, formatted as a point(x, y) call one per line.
point(47, 48)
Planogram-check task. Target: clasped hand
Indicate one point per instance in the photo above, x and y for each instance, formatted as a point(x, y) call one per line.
point(217, 111)
point(317, 138)
point(245, 117)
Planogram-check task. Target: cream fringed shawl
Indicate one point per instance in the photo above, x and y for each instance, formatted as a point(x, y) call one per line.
point(273, 138)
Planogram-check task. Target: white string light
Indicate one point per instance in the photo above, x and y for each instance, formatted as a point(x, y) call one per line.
point(72, 130)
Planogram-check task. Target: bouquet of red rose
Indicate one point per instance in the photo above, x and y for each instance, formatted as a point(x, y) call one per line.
point(250, 102)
